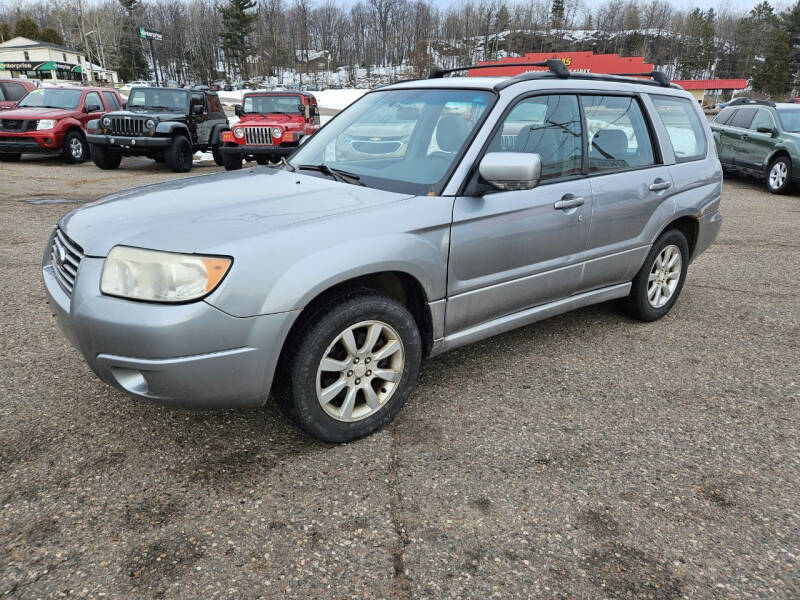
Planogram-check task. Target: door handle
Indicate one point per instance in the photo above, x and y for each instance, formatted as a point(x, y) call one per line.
point(744, 136)
point(659, 184)
point(568, 201)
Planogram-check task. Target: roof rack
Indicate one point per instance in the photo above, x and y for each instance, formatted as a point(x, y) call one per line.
point(744, 100)
point(658, 76)
point(555, 66)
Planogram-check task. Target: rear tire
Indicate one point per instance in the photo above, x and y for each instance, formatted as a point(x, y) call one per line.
point(179, 155)
point(75, 150)
point(10, 157)
point(104, 158)
point(779, 175)
point(232, 161)
point(659, 282)
point(361, 389)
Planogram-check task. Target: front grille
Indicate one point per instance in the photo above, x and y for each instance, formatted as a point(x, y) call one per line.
point(257, 136)
point(65, 256)
point(127, 125)
point(16, 125)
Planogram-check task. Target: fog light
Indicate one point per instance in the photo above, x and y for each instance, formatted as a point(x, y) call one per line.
point(130, 380)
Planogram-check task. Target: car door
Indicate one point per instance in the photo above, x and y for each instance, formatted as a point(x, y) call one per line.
point(738, 133)
point(92, 108)
point(511, 250)
point(724, 141)
point(759, 144)
point(199, 121)
point(628, 185)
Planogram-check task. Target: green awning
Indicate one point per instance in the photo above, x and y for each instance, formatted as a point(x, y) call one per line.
point(48, 66)
point(77, 69)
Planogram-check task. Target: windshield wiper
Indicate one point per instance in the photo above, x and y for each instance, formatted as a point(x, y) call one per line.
point(337, 174)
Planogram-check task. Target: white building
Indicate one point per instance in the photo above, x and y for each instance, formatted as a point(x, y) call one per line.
point(28, 59)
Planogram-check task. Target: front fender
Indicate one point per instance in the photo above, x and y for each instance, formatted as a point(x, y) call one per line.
point(169, 127)
point(783, 148)
point(216, 133)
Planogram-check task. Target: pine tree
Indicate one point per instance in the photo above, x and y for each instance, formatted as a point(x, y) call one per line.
point(699, 50)
point(772, 75)
point(5, 32)
point(791, 23)
point(557, 14)
point(26, 27)
point(50, 35)
point(132, 64)
point(237, 24)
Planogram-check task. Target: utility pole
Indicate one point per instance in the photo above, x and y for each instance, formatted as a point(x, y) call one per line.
point(85, 39)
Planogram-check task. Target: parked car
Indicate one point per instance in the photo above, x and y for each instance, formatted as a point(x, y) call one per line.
point(761, 139)
point(52, 120)
point(13, 90)
point(164, 124)
point(271, 125)
point(327, 281)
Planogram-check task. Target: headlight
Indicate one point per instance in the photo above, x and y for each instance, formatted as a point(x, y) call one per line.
point(238, 132)
point(46, 124)
point(106, 122)
point(150, 124)
point(160, 276)
point(277, 132)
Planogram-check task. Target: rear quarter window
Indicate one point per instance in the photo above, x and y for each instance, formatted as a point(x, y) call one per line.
point(724, 115)
point(684, 127)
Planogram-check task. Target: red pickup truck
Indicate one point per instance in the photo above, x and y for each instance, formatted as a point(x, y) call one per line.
point(52, 120)
point(271, 125)
point(12, 91)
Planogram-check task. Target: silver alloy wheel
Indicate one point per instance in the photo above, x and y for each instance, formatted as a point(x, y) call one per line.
point(664, 276)
point(76, 148)
point(360, 371)
point(778, 174)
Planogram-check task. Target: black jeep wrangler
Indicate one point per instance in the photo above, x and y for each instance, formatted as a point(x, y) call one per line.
point(165, 124)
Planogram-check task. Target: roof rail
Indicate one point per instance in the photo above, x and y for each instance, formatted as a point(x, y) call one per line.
point(744, 100)
point(658, 76)
point(554, 65)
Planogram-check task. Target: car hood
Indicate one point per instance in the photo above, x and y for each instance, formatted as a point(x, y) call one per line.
point(31, 113)
point(212, 213)
point(266, 119)
point(161, 116)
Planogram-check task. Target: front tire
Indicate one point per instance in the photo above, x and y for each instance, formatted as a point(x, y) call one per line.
point(352, 366)
point(76, 149)
point(232, 161)
point(104, 158)
point(179, 155)
point(659, 282)
point(217, 153)
point(779, 175)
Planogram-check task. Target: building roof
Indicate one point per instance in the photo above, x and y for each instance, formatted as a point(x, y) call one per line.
point(23, 42)
point(711, 84)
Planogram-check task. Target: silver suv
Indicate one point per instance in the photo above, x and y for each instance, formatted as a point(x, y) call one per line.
point(427, 215)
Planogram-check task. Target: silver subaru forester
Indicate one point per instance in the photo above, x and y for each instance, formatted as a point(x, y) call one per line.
point(427, 215)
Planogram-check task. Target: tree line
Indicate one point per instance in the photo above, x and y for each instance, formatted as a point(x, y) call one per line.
point(207, 40)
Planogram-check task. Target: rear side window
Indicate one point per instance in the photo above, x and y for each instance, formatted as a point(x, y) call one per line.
point(213, 104)
point(12, 91)
point(683, 125)
point(742, 118)
point(722, 117)
point(617, 132)
point(111, 100)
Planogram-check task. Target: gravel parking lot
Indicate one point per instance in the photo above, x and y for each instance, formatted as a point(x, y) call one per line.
point(588, 456)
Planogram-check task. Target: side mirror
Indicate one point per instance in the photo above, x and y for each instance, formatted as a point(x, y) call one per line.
point(511, 170)
point(237, 110)
point(90, 108)
point(768, 130)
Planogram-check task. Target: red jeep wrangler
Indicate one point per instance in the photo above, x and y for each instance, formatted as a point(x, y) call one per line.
point(271, 126)
point(52, 120)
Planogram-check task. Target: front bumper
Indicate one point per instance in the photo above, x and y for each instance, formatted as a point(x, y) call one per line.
point(244, 150)
point(30, 142)
point(190, 355)
point(125, 142)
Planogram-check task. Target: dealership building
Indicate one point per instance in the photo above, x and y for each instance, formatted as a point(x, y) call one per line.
point(28, 59)
point(706, 91)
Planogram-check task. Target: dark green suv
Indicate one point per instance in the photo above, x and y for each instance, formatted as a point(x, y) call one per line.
point(760, 138)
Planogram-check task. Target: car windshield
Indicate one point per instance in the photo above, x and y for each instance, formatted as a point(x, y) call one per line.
point(158, 99)
point(52, 98)
point(272, 104)
point(406, 141)
point(790, 119)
